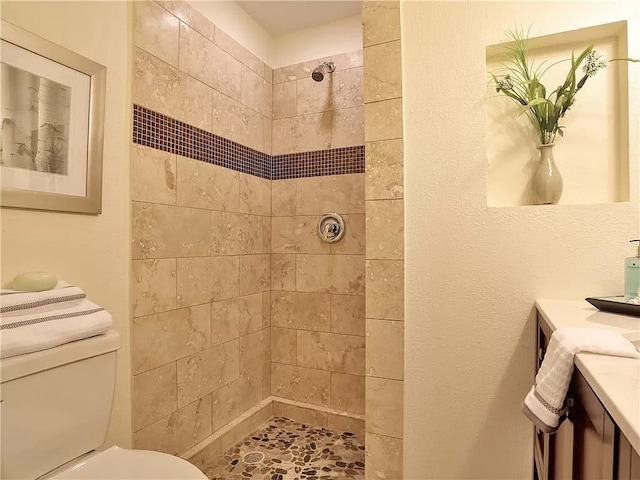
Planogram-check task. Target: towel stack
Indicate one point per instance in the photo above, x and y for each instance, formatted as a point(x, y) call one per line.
point(544, 404)
point(33, 321)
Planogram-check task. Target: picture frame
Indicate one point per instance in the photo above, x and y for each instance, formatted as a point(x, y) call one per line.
point(52, 114)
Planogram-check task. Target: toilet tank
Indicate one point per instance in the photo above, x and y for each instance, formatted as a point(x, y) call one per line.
point(56, 404)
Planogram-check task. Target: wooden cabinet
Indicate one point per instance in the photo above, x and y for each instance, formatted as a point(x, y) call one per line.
point(588, 445)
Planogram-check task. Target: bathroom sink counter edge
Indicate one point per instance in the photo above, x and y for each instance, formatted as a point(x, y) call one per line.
point(615, 380)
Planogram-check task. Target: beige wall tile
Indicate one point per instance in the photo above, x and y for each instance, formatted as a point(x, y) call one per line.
point(348, 60)
point(208, 455)
point(207, 371)
point(194, 280)
point(312, 96)
point(234, 317)
point(178, 432)
point(245, 427)
point(153, 286)
point(381, 22)
point(225, 272)
point(266, 309)
point(156, 31)
point(237, 122)
point(384, 406)
point(284, 100)
point(255, 274)
point(347, 392)
point(167, 90)
point(383, 77)
point(257, 93)
point(384, 170)
point(343, 423)
point(168, 231)
point(283, 345)
point(153, 175)
point(332, 193)
point(309, 416)
point(347, 127)
point(190, 16)
point(330, 351)
point(208, 63)
point(225, 321)
point(385, 289)
point(383, 120)
point(346, 88)
point(231, 401)
point(385, 229)
point(347, 314)
point(309, 311)
point(385, 349)
point(301, 384)
point(283, 197)
point(302, 134)
point(353, 240)
point(267, 132)
point(342, 274)
point(155, 395)
point(268, 73)
point(297, 70)
point(296, 235)
point(283, 271)
point(383, 457)
point(255, 195)
point(165, 337)
point(204, 185)
point(236, 234)
point(255, 351)
point(228, 44)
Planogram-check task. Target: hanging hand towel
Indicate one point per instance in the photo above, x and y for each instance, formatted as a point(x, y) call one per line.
point(543, 405)
point(64, 295)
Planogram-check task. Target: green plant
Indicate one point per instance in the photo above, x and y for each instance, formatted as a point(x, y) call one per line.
point(522, 83)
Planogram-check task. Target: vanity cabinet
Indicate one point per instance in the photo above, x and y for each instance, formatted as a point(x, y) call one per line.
point(588, 445)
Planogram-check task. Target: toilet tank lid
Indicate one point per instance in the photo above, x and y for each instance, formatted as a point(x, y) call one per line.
point(30, 363)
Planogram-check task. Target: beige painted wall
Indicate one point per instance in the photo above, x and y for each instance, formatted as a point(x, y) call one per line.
point(89, 251)
point(473, 272)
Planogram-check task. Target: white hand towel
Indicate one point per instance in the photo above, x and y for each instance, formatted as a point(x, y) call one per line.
point(544, 404)
point(63, 295)
point(39, 331)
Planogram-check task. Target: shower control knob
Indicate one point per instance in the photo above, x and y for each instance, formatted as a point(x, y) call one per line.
point(331, 227)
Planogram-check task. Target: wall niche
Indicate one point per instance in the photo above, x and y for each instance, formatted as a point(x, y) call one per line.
point(593, 155)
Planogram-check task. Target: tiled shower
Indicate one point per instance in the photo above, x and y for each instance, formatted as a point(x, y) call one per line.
point(235, 299)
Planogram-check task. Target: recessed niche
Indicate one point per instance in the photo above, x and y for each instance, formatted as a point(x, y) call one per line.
point(593, 155)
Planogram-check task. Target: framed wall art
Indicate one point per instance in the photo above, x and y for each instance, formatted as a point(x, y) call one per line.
point(52, 109)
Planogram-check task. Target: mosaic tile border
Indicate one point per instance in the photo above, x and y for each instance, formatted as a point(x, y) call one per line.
point(155, 130)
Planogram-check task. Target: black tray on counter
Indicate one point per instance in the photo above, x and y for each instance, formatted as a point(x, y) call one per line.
point(614, 305)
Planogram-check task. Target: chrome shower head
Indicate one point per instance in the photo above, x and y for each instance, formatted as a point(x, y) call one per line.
point(319, 72)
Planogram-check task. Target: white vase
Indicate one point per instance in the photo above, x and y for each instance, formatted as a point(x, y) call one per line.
point(547, 181)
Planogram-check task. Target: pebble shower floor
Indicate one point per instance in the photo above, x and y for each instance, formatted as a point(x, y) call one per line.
point(282, 449)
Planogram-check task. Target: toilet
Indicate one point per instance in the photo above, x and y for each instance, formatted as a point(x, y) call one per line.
point(54, 413)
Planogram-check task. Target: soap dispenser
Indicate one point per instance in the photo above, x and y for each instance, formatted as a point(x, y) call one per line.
point(632, 274)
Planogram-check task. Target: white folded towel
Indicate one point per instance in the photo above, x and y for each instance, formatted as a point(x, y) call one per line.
point(63, 295)
point(38, 331)
point(544, 404)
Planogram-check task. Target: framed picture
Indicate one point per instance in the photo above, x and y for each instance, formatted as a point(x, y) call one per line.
point(52, 125)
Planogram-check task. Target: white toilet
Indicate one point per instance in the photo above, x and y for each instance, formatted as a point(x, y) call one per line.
point(55, 412)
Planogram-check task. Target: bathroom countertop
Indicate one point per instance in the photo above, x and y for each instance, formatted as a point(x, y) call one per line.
point(615, 380)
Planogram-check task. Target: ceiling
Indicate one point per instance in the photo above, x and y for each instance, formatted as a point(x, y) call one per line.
point(281, 17)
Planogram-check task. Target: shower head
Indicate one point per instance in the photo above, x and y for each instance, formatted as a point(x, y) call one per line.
point(319, 72)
